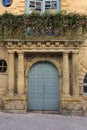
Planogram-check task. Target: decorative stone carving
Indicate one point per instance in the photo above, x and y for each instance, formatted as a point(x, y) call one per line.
point(66, 44)
point(29, 44)
point(57, 44)
point(9, 44)
point(48, 44)
point(58, 52)
point(38, 44)
point(19, 44)
point(44, 44)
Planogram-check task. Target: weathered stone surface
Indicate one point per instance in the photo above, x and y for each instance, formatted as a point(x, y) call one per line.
point(18, 7)
point(78, 113)
point(14, 104)
point(66, 112)
point(69, 57)
point(78, 107)
point(84, 107)
point(72, 102)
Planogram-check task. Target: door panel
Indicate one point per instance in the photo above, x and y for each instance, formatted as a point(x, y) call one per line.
point(43, 93)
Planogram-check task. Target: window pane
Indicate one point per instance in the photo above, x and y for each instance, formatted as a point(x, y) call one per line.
point(35, 5)
point(86, 76)
point(47, 4)
point(38, 5)
point(85, 80)
point(3, 66)
point(42, 6)
point(7, 3)
point(0, 69)
point(51, 6)
point(0, 63)
point(85, 89)
point(32, 4)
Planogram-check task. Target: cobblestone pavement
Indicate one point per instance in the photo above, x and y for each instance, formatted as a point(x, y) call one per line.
point(35, 121)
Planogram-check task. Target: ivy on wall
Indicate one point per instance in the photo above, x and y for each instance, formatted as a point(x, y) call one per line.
point(36, 24)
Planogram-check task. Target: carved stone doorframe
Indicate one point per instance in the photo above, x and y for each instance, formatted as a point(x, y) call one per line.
point(34, 60)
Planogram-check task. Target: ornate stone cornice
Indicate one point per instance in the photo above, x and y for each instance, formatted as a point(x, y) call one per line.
point(41, 44)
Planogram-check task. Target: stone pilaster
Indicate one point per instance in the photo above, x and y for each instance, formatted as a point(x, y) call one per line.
point(66, 85)
point(20, 86)
point(75, 84)
point(11, 73)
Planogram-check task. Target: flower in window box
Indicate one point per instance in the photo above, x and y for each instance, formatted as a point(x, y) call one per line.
point(56, 32)
point(35, 31)
point(50, 31)
point(42, 32)
point(28, 31)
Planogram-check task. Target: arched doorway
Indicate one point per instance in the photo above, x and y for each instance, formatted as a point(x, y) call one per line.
point(43, 87)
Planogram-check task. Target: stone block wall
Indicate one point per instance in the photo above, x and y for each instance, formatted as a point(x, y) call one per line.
point(76, 6)
point(18, 6)
point(3, 76)
point(14, 104)
point(74, 103)
point(72, 106)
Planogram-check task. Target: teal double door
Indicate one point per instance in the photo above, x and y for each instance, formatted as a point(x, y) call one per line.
point(43, 89)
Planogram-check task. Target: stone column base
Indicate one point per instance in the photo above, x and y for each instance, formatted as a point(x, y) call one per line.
point(14, 104)
point(72, 106)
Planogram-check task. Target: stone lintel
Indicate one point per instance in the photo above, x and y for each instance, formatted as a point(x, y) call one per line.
point(21, 52)
point(75, 52)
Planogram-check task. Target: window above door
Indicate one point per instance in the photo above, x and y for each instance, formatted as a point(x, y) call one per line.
point(42, 6)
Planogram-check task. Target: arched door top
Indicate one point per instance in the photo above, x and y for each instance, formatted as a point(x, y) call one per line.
point(43, 59)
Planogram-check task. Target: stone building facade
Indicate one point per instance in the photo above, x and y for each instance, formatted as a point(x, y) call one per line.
point(44, 74)
point(19, 7)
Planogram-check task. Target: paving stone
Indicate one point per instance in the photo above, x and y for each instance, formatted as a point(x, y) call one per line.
point(38, 121)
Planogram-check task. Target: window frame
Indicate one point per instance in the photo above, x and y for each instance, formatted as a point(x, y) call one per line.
point(84, 84)
point(3, 66)
point(43, 5)
point(9, 3)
